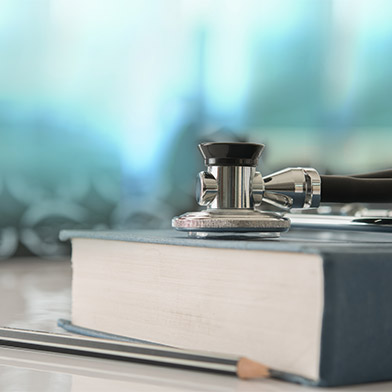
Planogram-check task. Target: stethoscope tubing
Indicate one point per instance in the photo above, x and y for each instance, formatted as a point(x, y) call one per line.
point(373, 187)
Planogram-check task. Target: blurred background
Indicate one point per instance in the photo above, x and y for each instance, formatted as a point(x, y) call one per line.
point(102, 103)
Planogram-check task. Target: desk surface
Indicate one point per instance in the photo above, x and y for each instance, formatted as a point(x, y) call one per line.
point(35, 293)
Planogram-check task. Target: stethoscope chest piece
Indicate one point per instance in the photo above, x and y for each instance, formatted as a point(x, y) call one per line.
point(231, 189)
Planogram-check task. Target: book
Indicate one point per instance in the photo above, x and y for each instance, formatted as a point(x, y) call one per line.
point(317, 311)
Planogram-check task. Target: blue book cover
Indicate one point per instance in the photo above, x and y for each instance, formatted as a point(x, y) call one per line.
point(356, 330)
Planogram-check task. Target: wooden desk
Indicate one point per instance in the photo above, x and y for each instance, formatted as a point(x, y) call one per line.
point(35, 293)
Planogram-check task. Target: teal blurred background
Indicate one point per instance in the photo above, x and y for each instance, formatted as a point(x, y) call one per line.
point(102, 103)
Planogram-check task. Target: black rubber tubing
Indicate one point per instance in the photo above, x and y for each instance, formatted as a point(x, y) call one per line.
point(374, 188)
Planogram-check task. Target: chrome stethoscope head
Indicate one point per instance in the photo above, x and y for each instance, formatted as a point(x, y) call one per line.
point(231, 189)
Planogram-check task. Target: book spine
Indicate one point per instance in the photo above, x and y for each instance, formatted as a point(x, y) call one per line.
point(356, 343)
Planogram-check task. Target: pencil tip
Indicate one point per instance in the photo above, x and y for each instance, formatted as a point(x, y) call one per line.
point(247, 369)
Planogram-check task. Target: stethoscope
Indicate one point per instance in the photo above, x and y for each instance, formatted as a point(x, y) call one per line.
point(236, 196)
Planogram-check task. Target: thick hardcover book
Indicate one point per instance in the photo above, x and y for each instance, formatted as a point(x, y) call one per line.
point(318, 311)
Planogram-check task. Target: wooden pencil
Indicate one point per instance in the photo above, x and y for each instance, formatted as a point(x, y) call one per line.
point(145, 353)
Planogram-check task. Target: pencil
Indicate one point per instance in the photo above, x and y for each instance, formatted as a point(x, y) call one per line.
point(144, 353)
